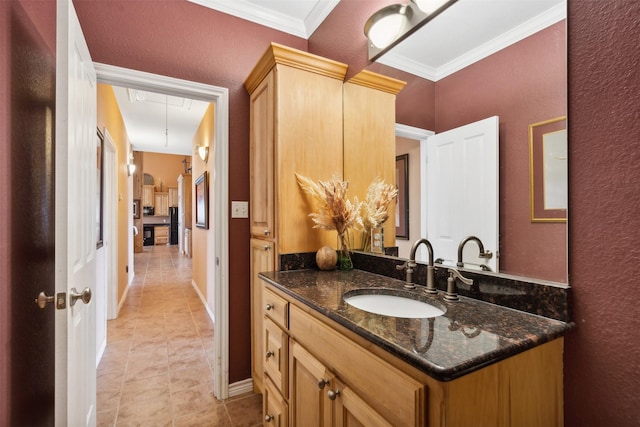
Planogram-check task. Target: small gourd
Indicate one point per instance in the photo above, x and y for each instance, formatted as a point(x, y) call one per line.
point(326, 258)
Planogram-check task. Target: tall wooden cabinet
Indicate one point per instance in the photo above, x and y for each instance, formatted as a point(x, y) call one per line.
point(369, 114)
point(148, 199)
point(296, 127)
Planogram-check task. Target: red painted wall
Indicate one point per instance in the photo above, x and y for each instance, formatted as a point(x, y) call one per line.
point(602, 359)
point(180, 39)
point(523, 84)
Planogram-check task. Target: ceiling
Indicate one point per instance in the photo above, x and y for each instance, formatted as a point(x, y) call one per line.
point(463, 34)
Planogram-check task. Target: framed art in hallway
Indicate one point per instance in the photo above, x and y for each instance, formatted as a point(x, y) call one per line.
point(402, 200)
point(202, 201)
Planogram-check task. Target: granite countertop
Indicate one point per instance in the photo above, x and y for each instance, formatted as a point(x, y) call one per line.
point(470, 334)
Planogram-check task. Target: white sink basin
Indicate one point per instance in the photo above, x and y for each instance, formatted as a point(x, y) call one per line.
point(391, 305)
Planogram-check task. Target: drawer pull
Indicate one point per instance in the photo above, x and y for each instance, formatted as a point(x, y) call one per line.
point(267, 232)
point(332, 394)
point(268, 418)
point(268, 307)
point(322, 382)
point(267, 247)
point(270, 353)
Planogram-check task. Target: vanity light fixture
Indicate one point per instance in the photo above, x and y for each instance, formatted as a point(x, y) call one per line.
point(392, 24)
point(203, 152)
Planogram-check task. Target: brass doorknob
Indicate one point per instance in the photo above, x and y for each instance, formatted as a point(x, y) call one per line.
point(85, 296)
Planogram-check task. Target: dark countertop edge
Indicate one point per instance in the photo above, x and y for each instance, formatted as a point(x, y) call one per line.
point(430, 369)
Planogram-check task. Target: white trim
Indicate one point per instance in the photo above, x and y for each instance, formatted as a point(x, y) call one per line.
point(250, 11)
point(124, 296)
point(118, 76)
point(241, 387)
point(204, 301)
point(521, 32)
point(421, 135)
point(103, 347)
point(111, 221)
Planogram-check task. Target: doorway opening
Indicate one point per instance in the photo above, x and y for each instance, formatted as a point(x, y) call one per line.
point(216, 249)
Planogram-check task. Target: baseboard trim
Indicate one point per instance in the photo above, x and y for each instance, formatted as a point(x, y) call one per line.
point(123, 299)
point(241, 387)
point(204, 301)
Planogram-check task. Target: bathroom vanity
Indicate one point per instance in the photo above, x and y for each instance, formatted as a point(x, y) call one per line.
point(476, 364)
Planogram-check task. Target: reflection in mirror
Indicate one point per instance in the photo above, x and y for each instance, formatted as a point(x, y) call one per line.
point(516, 70)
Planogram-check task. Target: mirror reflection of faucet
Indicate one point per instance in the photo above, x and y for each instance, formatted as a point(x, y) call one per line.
point(482, 254)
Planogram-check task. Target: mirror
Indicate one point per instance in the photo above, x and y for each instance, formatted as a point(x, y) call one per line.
point(518, 74)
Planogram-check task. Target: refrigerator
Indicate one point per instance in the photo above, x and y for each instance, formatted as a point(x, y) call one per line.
point(173, 226)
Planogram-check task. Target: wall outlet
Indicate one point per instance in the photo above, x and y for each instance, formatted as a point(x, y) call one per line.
point(239, 209)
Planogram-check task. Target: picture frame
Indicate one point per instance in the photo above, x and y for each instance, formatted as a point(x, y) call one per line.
point(99, 188)
point(136, 208)
point(402, 200)
point(202, 201)
point(548, 179)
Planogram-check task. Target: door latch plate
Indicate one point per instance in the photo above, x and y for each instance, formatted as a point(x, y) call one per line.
point(61, 301)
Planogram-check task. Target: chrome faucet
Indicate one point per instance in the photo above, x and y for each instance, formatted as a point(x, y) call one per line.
point(482, 254)
point(452, 292)
point(409, 265)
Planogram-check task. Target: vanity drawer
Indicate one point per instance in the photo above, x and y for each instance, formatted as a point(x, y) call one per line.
point(276, 308)
point(276, 362)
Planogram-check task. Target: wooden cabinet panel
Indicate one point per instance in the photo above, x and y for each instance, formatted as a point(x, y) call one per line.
point(274, 407)
point(405, 405)
point(262, 213)
point(310, 381)
point(276, 362)
point(352, 411)
point(148, 199)
point(161, 204)
point(161, 235)
point(276, 308)
point(262, 259)
point(173, 196)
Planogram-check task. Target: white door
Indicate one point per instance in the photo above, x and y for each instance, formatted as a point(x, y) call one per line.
point(75, 210)
point(462, 192)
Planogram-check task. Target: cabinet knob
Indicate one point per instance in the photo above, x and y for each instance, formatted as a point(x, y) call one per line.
point(267, 247)
point(268, 307)
point(270, 353)
point(332, 394)
point(267, 232)
point(268, 418)
point(322, 382)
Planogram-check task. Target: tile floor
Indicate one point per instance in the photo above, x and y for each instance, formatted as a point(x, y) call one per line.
point(157, 368)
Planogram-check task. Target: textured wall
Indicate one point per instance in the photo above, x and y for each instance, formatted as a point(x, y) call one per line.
point(602, 359)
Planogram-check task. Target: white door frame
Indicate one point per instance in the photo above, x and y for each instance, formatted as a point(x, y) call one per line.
point(110, 171)
point(219, 281)
point(421, 136)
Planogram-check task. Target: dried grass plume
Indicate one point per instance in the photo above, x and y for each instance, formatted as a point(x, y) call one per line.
point(375, 207)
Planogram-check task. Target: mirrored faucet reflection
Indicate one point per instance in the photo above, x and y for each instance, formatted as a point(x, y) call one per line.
point(482, 254)
point(409, 265)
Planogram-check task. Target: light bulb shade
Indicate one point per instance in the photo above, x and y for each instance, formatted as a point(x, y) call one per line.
point(429, 6)
point(387, 24)
point(203, 152)
point(131, 168)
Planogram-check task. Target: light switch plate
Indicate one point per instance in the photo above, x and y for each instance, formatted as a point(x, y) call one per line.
point(239, 209)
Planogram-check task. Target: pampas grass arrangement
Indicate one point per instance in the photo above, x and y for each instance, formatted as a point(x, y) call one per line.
point(375, 207)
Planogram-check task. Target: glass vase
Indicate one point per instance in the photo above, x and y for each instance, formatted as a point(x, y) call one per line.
point(344, 253)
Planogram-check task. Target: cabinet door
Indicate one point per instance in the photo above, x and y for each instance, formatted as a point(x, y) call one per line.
point(309, 383)
point(276, 357)
point(262, 259)
point(173, 196)
point(262, 159)
point(147, 196)
point(162, 204)
point(350, 410)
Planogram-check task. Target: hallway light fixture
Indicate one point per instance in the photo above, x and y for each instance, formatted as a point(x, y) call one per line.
point(394, 23)
point(131, 166)
point(203, 152)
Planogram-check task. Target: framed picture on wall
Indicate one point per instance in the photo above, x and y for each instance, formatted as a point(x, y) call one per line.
point(548, 170)
point(402, 200)
point(202, 201)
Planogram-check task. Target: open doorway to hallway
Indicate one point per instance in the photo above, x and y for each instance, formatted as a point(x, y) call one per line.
point(158, 368)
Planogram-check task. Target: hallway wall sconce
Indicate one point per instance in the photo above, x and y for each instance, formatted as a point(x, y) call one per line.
point(131, 166)
point(394, 23)
point(203, 152)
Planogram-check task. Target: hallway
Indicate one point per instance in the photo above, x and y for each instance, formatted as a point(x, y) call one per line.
point(157, 368)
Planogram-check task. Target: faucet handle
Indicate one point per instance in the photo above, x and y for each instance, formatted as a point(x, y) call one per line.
point(486, 254)
point(456, 274)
